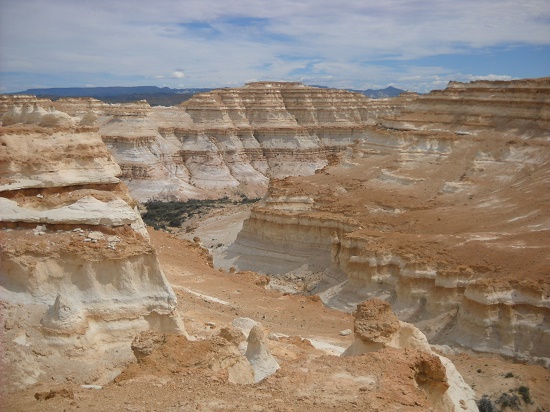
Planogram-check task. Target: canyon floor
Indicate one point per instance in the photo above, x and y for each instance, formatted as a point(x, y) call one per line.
point(311, 377)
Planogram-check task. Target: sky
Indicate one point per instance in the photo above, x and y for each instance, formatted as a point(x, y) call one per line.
point(358, 44)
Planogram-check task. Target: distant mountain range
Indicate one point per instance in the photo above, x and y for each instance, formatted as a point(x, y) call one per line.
point(157, 96)
point(389, 91)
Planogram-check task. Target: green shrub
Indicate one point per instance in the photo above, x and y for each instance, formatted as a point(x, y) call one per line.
point(509, 375)
point(161, 214)
point(525, 394)
point(485, 404)
point(508, 400)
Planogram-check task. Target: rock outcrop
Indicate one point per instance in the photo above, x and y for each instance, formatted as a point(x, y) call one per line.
point(257, 353)
point(452, 229)
point(376, 327)
point(158, 352)
point(78, 276)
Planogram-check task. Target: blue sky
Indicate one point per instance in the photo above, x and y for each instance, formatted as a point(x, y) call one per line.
point(414, 45)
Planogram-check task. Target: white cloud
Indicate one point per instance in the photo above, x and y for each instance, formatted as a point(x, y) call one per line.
point(177, 74)
point(489, 77)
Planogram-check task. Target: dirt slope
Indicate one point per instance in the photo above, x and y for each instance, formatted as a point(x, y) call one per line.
point(309, 379)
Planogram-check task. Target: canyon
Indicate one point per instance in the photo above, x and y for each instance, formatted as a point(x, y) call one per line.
point(222, 143)
point(433, 207)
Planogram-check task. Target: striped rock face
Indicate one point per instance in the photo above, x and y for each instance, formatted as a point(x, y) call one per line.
point(78, 276)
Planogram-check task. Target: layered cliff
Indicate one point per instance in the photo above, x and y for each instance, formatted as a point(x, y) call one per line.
point(452, 229)
point(222, 143)
point(78, 276)
point(225, 142)
point(519, 107)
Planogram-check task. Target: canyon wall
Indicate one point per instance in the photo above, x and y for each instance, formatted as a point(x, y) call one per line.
point(78, 276)
point(450, 225)
point(519, 107)
point(226, 142)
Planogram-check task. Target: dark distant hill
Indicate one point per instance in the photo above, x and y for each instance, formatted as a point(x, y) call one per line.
point(389, 91)
point(155, 96)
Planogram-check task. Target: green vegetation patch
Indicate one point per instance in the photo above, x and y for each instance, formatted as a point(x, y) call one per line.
point(161, 214)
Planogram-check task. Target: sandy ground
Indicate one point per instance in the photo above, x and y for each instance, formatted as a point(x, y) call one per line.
point(209, 299)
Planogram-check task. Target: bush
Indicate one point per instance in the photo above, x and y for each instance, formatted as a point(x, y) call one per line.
point(485, 404)
point(525, 394)
point(507, 400)
point(509, 375)
point(160, 214)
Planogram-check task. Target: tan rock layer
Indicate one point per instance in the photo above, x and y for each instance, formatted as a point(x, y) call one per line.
point(523, 105)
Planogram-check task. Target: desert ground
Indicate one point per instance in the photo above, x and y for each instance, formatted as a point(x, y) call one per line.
point(209, 300)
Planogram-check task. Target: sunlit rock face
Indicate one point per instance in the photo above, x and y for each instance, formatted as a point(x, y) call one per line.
point(229, 141)
point(519, 107)
point(78, 276)
point(449, 224)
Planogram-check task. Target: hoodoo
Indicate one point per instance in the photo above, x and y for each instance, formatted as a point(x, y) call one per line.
point(377, 327)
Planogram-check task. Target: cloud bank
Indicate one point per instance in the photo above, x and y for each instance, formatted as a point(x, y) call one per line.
point(418, 45)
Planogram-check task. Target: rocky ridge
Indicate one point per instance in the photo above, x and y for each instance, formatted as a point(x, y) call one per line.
point(518, 107)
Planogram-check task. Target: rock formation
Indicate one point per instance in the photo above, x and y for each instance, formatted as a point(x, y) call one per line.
point(225, 142)
point(78, 276)
point(217, 355)
point(8, 102)
point(377, 327)
point(451, 228)
point(397, 197)
point(257, 353)
point(519, 107)
point(445, 219)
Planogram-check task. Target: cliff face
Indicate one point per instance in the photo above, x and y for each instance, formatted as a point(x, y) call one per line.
point(224, 142)
point(519, 107)
point(452, 229)
point(78, 277)
point(437, 203)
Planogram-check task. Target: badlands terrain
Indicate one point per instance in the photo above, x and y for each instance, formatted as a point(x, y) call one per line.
point(396, 259)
